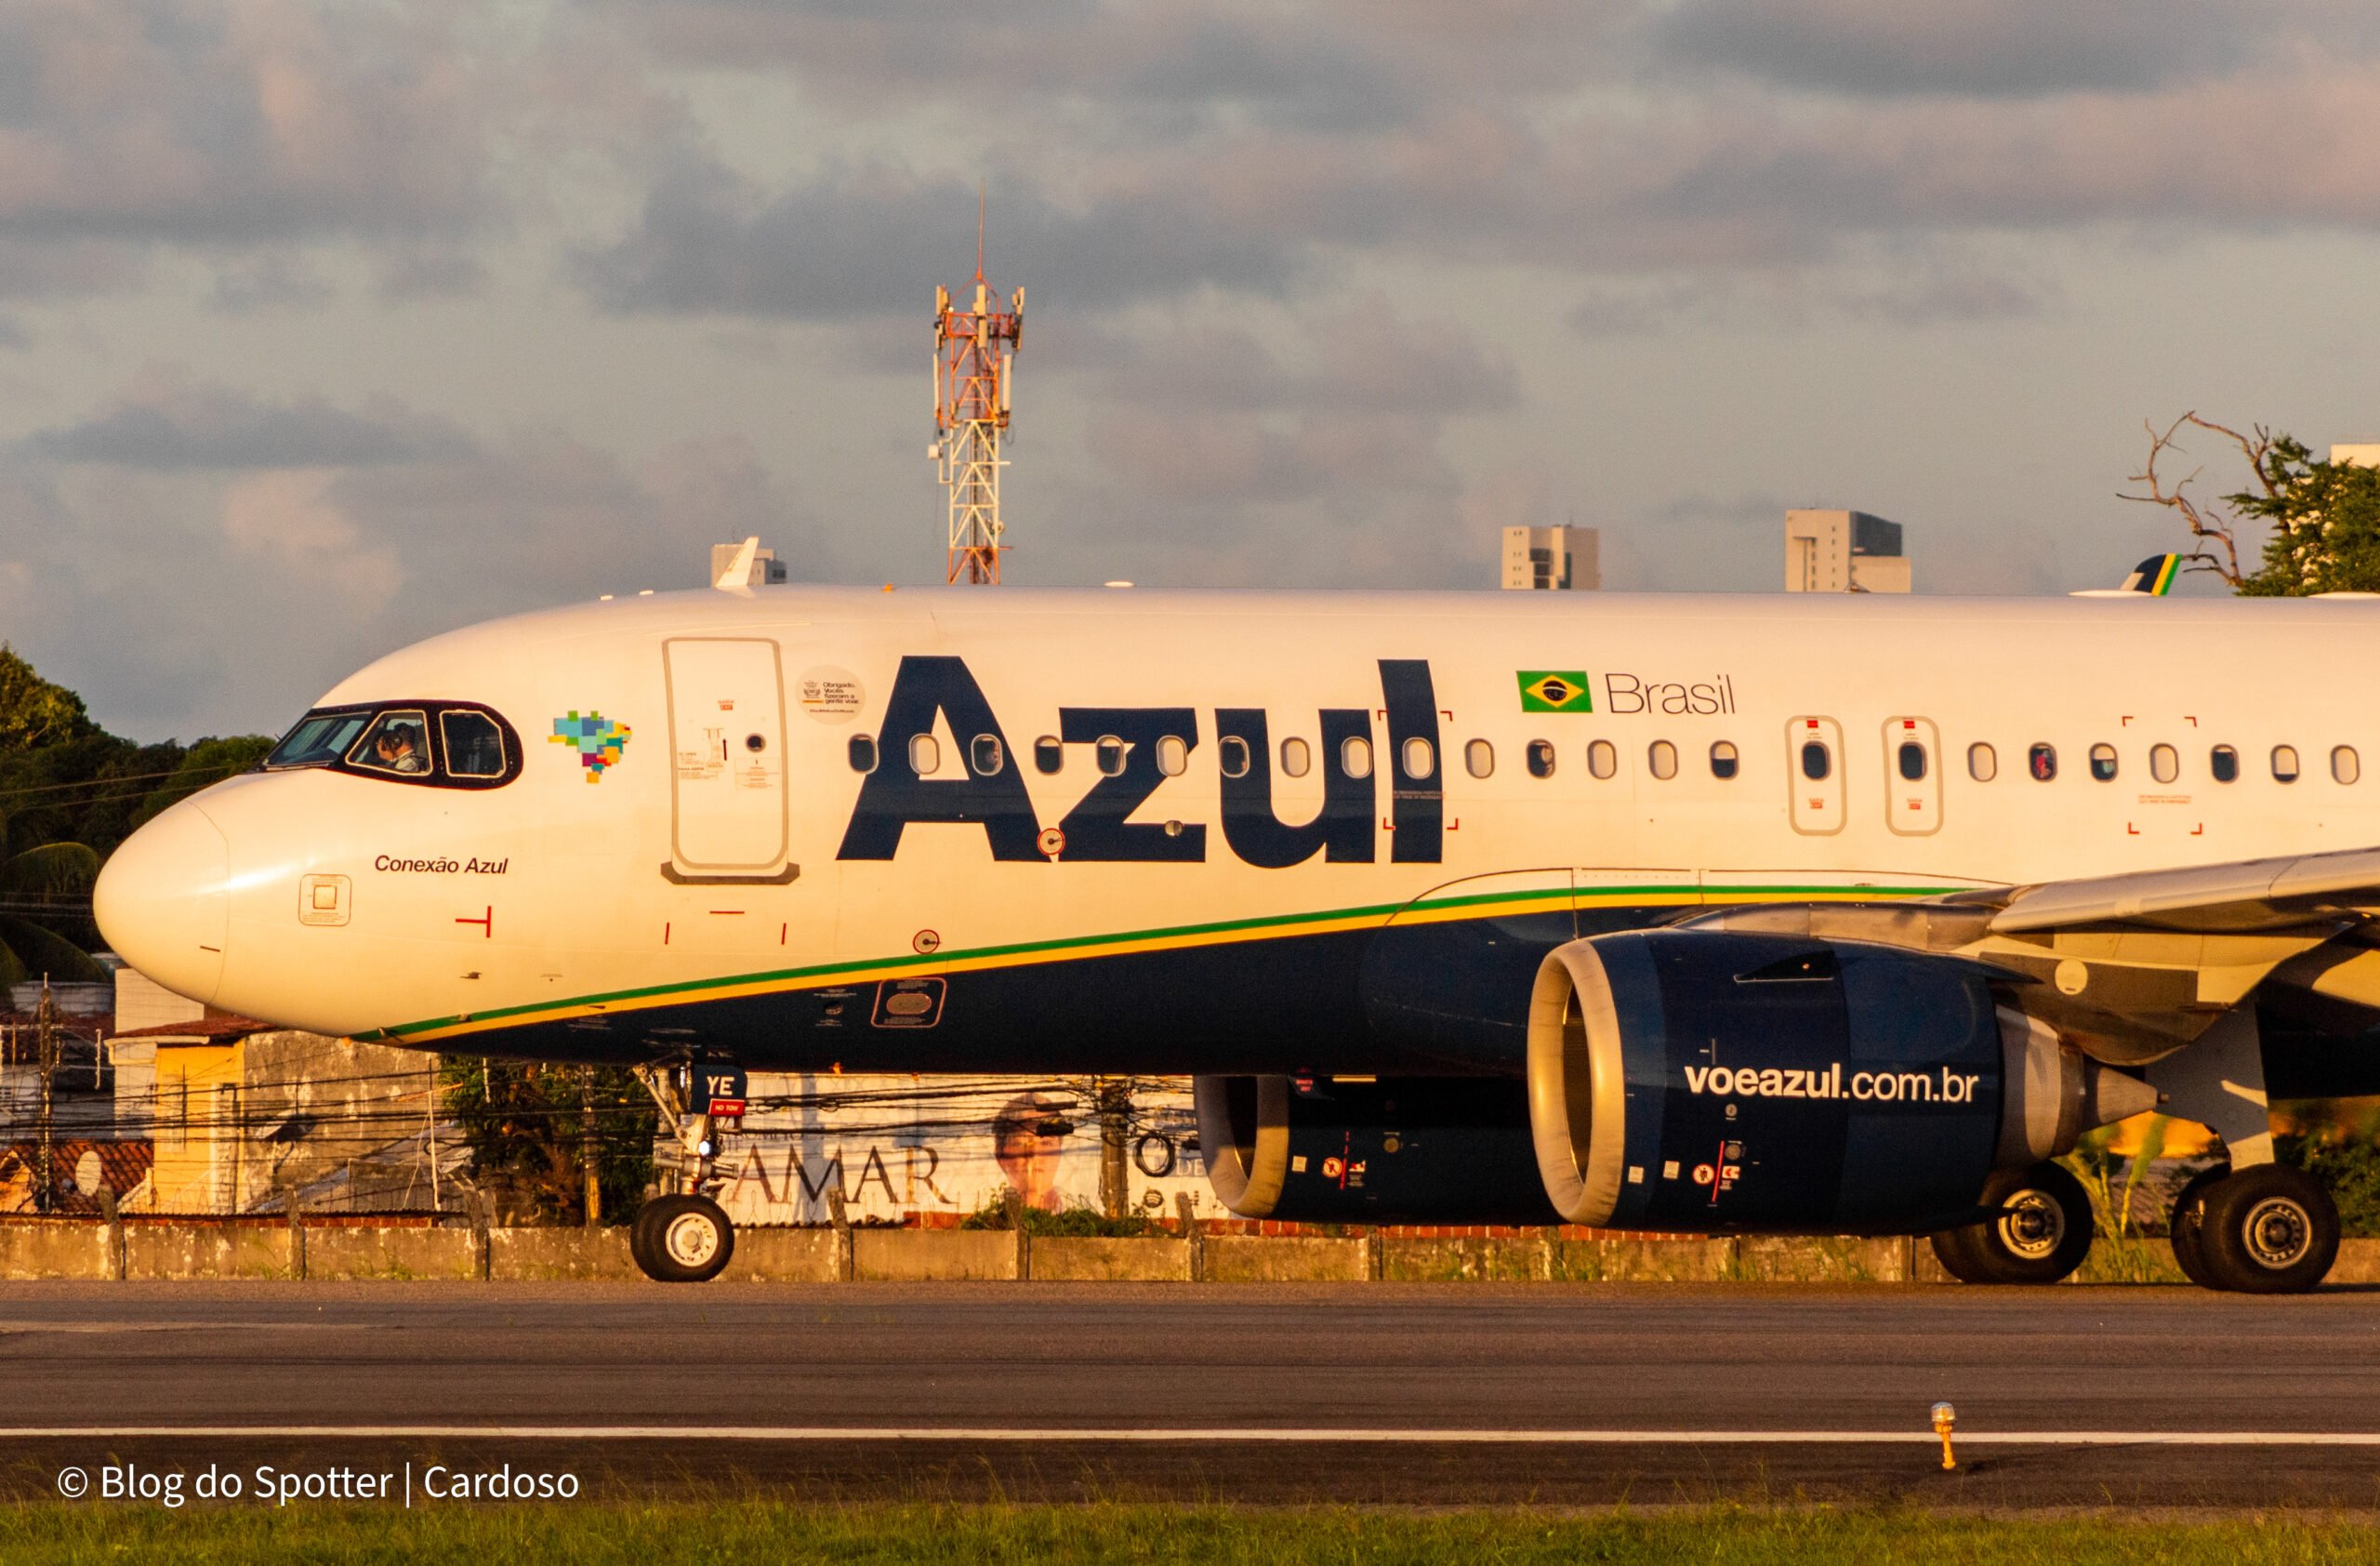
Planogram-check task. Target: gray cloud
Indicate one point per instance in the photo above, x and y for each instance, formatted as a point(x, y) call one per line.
point(866, 244)
point(204, 119)
point(362, 542)
point(165, 424)
point(2017, 49)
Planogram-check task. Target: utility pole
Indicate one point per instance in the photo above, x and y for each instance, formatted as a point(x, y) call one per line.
point(46, 1026)
point(1113, 1097)
point(587, 1146)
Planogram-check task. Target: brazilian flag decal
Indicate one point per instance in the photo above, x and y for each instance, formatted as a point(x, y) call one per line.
point(1555, 690)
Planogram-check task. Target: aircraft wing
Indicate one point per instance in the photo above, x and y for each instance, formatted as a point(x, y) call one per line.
point(2246, 895)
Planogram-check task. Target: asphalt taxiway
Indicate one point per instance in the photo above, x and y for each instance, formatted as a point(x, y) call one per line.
point(1381, 1392)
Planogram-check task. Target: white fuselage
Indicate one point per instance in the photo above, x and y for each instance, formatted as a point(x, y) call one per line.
point(693, 867)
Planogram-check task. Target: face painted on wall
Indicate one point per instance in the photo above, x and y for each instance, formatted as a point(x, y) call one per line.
point(1027, 1139)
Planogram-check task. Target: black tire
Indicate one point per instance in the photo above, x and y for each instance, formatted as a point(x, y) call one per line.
point(681, 1239)
point(2188, 1224)
point(2042, 1242)
point(2267, 1229)
point(638, 1249)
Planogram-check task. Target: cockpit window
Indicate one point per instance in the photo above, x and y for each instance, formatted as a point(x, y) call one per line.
point(319, 739)
point(398, 742)
point(474, 745)
point(445, 744)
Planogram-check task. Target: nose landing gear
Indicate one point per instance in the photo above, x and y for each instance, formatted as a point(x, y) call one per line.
point(681, 1239)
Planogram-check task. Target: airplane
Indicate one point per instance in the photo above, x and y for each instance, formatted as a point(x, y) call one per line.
point(2154, 577)
point(1840, 914)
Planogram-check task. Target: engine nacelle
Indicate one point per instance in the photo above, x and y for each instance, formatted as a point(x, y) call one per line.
point(1395, 1150)
point(1701, 1081)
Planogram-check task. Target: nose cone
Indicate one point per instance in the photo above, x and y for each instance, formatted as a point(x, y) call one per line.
point(162, 899)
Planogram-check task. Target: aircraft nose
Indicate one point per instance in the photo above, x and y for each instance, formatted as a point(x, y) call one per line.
point(162, 899)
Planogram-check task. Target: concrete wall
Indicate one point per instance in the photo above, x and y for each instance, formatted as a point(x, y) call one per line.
point(934, 1252)
point(205, 1250)
point(1083, 1259)
point(397, 1254)
point(560, 1253)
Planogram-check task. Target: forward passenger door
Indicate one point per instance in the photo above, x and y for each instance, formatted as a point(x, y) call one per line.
point(727, 775)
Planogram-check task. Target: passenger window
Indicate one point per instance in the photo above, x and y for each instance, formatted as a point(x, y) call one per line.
point(1723, 760)
point(2224, 763)
point(2041, 762)
point(1540, 758)
point(863, 752)
point(2164, 762)
point(2284, 764)
point(1662, 758)
point(398, 743)
point(319, 739)
point(985, 753)
point(2345, 767)
point(1172, 755)
point(1420, 758)
point(2103, 763)
point(1983, 763)
point(1232, 751)
point(1297, 758)
point(1912, 760)
point(1049, 755)
point(1603, 761)
point(1355, 756)
point(474, 745)
point(925, 755)
point(1480, 758)
point(1817, 760)
point(1109, 751)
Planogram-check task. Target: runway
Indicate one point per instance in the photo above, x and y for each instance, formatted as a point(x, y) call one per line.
point(1547, 1393)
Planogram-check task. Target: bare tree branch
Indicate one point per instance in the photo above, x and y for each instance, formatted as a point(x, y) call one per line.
point(2214, 531)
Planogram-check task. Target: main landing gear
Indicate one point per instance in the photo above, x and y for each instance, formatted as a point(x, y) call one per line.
point(2265, 1229)
point(681, 1239)
point(2042, 1236)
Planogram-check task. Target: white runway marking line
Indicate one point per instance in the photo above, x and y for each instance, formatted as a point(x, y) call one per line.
point(814, 1433)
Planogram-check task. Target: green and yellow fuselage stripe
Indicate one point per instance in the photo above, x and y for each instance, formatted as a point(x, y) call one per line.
point(824, 976)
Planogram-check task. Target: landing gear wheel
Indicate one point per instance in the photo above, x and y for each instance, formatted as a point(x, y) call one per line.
point(2188, 1225)
point(2267, 1229)
point(681, 1239)
point(2044, 1237)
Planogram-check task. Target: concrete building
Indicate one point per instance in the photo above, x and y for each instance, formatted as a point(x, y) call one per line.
point(241, 1110)
point(1553, 558)
point(763, 569)
point(2362, 455)
point(236, 1111)
point(1843, 551)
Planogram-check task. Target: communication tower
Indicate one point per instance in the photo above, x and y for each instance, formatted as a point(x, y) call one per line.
point(975, 365)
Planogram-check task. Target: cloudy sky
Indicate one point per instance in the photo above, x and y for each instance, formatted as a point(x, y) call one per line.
point(327, 326)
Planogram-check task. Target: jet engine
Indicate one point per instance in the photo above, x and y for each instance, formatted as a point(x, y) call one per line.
point(1389, 1150)
point(1704, 1080)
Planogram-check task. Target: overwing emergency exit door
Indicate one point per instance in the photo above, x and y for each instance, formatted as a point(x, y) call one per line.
point(1912, 776)
point(1813, 775)
point(727, 774)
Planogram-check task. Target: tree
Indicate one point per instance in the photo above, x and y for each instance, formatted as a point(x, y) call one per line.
point(32, 712)
point(206, 763)
point(522, 1121)
point(2322, 518)
point(30, 883)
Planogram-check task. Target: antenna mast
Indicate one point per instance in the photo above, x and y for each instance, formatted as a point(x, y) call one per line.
point(975, 363)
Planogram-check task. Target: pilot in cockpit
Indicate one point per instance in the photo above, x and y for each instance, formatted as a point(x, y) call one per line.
point(399, 748)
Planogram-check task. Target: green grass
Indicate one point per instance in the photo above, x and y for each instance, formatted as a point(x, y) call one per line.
point(689, 1534)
